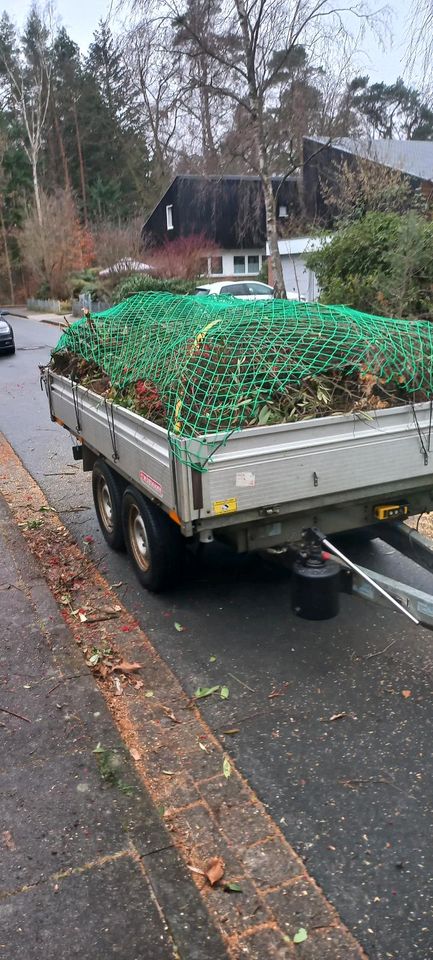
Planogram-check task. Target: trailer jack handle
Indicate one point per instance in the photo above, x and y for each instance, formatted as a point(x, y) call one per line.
point(319, 536)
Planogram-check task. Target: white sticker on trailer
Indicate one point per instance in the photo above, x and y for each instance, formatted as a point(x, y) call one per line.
point(245, 479)
point(150, 482)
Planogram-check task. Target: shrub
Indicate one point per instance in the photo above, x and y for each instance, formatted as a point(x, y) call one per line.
point(381, 264)
point(143, 283)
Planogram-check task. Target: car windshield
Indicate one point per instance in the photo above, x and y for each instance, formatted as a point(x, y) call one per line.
point(201, 292)
point(261, 289)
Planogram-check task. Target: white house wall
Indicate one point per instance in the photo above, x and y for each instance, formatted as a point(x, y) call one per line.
point(298, 278)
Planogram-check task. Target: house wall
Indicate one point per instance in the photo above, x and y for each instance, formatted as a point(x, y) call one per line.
point(298, 278)
point(230, 269)
point(228, 211)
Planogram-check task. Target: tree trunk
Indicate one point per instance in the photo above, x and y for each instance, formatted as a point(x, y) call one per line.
point(256, 111)
point(36, 189)
point(7, 257)
point(62, 151)
point(81, 162)
point(272, 236)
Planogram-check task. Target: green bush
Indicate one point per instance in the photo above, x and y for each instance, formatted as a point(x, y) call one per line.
point(382, 263)
point(88, 281)
point(143, 283)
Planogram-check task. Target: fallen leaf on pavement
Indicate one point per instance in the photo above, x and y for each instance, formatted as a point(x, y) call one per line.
point(205, 692)
point(231, 732)
point(125, 667)
point(232, 888)
point(135, 754)
point(335, 716)
point(224, 693)
point(178, 627)
point(406, 693)
point(215, 870)
point(196, 870)
point(8, 840)
point(227, 768)
point(300, 936)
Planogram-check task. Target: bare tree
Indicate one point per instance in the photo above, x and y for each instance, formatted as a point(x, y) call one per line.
point(240, 39)
point(419, 54)
point(25, 69)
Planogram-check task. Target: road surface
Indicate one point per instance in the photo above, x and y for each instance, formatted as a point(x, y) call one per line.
point(353, 795)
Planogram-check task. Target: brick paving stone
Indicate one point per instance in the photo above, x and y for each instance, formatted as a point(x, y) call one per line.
point(270, 863)
point(244, 824)
point(242, 821)
point(203, 839)
point(299, 905)
point(330, 945)
point(175, 792)
point(267, 944)
point(237, 911)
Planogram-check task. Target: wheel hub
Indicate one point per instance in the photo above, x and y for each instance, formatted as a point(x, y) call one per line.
point(138, 538)
point(105, 505)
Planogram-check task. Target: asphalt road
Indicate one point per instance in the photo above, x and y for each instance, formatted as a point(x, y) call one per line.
point(353, 795)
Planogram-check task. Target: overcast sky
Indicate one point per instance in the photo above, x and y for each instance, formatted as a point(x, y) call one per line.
point(81, 18)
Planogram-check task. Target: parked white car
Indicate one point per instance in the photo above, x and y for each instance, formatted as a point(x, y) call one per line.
point(246, 289)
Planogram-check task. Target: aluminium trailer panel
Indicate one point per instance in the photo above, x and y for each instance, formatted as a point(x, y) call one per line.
point(301, 467)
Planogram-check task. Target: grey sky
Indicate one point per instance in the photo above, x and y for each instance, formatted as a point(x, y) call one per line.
point(81, 17)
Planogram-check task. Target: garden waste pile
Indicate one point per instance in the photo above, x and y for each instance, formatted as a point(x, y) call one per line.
point(201, 366)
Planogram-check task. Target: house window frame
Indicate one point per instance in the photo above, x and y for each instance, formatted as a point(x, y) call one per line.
point(283, 215)
point(169, 216)
point(253, 256)
point(239, 273)
point(215, 273)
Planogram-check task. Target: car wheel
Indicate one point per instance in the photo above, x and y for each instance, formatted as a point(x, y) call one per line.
point(153, 541)
point(107, 487)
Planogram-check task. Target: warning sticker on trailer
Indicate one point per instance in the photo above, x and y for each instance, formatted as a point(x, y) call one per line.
point(225, 506)
point(150, 482)
point(245, 479)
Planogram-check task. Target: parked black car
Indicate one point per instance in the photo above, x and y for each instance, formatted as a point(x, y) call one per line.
point(7, 341)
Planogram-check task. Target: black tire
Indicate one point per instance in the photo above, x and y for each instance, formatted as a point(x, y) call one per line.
point(153, 541)
point(107, 490)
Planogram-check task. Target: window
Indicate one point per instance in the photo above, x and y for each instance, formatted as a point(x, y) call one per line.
point(260, 290)
point(239, 265)
point(169, 215)
point(203, 268)
point(282, 210)
point(216, 265)
point(235, 289)
point(253, 264)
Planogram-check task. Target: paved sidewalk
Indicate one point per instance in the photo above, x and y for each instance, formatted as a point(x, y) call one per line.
point(87, 868)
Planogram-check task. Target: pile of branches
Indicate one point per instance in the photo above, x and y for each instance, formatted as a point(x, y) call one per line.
point(339, 391)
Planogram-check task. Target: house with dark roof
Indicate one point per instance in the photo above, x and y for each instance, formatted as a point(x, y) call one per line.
point(228, 211)
point(322, 159)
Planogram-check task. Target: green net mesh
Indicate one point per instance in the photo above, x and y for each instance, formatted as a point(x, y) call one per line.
point(203, 366)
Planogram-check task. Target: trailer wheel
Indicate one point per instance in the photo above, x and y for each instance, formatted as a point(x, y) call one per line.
point(153, 541)
point(107, 497)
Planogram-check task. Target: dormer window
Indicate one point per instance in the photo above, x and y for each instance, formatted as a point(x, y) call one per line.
point(169, 216)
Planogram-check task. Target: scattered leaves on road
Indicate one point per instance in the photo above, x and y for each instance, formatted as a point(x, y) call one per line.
point(301, 936)
point(203, 692)
point(214, 870)
point(8, 840)
point(125, 667)
point(227, 767)
point(135, 754)
point(232, 888)
point(224, 693)
point(178, 627)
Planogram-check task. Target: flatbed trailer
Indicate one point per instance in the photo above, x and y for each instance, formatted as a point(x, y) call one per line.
point(262, 488)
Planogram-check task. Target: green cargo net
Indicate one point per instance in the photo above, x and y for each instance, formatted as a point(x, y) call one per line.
point(204, 367)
